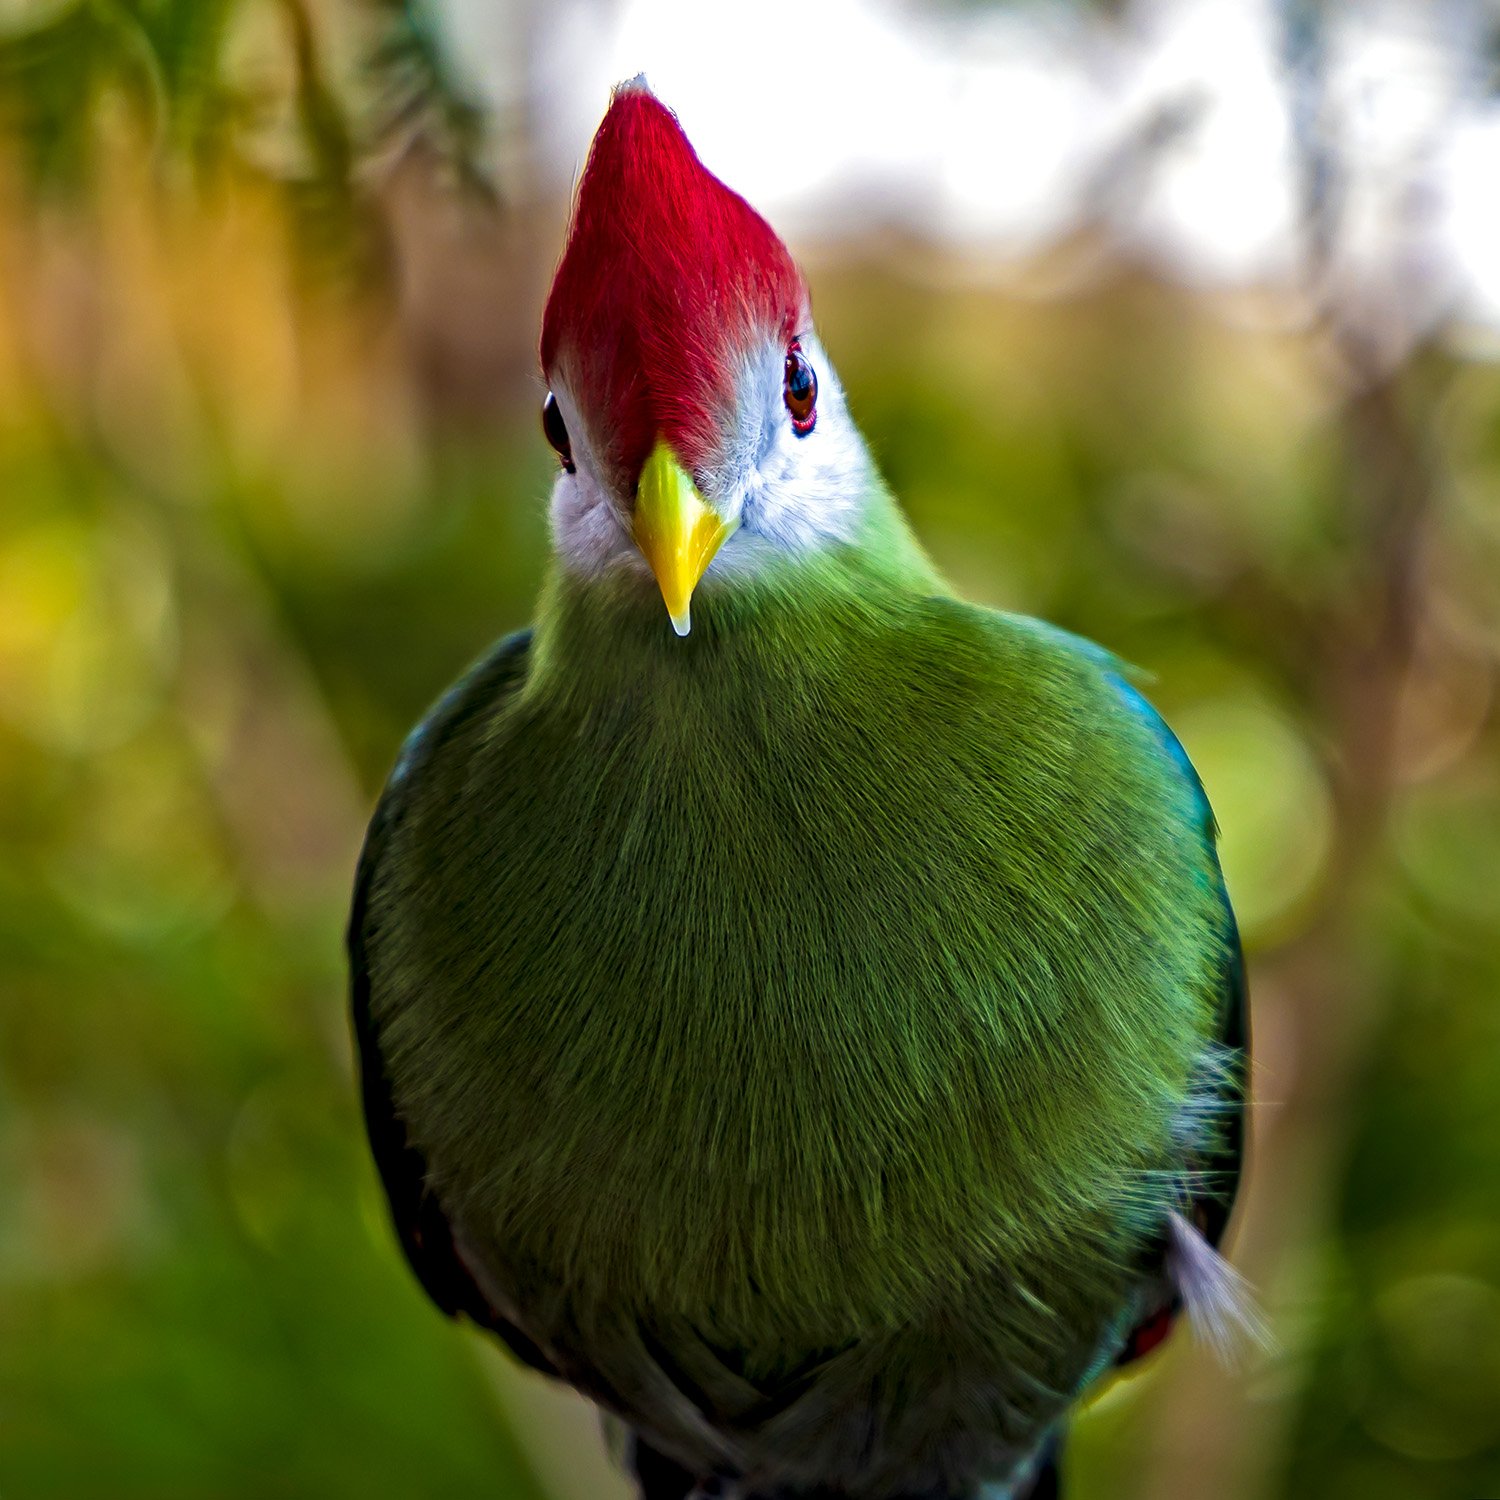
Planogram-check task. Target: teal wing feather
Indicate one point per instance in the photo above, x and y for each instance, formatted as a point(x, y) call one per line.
point(1225, 1166)
point(1222, 1168)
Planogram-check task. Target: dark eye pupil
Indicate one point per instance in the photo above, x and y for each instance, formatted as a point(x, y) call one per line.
point(800, 382)
point(556, 431)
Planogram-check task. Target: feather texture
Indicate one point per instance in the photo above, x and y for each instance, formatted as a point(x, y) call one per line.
point(822, 1039)
point(797, 1021)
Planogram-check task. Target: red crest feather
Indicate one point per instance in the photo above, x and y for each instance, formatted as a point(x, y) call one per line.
point(667, 279)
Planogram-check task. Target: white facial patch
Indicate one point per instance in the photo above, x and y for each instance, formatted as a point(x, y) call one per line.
point(794, 490)
point(788, 491)
point(590, 528)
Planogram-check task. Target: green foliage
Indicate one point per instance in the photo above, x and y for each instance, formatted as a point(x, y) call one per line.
point(203, 79)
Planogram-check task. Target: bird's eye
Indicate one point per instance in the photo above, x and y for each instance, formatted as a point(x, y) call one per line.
point(557, 431)
point(800, 390)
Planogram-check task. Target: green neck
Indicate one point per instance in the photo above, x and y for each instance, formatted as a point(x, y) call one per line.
point(596, 632)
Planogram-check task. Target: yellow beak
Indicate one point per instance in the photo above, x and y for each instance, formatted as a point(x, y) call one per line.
point(676, 531)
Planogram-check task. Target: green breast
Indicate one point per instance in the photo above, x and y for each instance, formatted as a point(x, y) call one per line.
point(788, 976)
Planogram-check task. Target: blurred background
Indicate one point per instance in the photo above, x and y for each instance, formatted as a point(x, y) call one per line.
point(1172, 320)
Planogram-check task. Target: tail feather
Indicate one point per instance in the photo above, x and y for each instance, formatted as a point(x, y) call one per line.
point(1042, 1479)
point(660, 1479)
point(1047, 1485)
point(657, 1476)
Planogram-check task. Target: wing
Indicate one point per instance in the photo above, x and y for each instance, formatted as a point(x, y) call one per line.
point(422, 1227)
point(1221, 1167)
point(1225, 1166)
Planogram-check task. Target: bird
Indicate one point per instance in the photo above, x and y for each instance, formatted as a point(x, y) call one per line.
point(797, 1008)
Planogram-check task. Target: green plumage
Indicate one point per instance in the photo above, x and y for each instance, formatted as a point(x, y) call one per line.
point(806, 1025)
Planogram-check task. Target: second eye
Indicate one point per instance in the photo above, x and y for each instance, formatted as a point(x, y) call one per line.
point(800, 390)
point(556, 431)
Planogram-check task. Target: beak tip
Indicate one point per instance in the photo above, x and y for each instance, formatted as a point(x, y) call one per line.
point(677, 531)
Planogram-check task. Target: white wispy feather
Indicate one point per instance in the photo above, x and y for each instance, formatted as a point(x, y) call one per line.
point(1220, 1304)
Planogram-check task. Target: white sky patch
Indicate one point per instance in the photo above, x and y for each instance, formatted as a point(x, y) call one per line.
point(988, 128)
point(808, 127)
point(998, 130)
point(1218, 201)
point(1471, 171)
point(1018, 127)
point(1398, 81)
point(973, 127)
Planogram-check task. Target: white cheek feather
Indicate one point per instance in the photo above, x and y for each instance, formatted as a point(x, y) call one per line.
point(589, 533)
point(799, 491)
point(789, 492)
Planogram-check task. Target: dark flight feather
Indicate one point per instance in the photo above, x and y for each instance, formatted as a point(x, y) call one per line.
point(422, 1227)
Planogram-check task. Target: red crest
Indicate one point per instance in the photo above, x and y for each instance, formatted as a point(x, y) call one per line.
point(668, 278)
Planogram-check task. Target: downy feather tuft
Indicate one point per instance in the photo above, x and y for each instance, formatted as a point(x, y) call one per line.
point(1220, 1305)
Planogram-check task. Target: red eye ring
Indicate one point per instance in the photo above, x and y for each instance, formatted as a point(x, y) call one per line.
point(800, 390)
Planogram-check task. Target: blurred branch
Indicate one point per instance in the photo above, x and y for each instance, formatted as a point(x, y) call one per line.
point(419, 98)
point(1389, 495)
point(341, 233)
point(324, 120)
point(1327, 985)
point(170, 58)
point(1359, 641)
